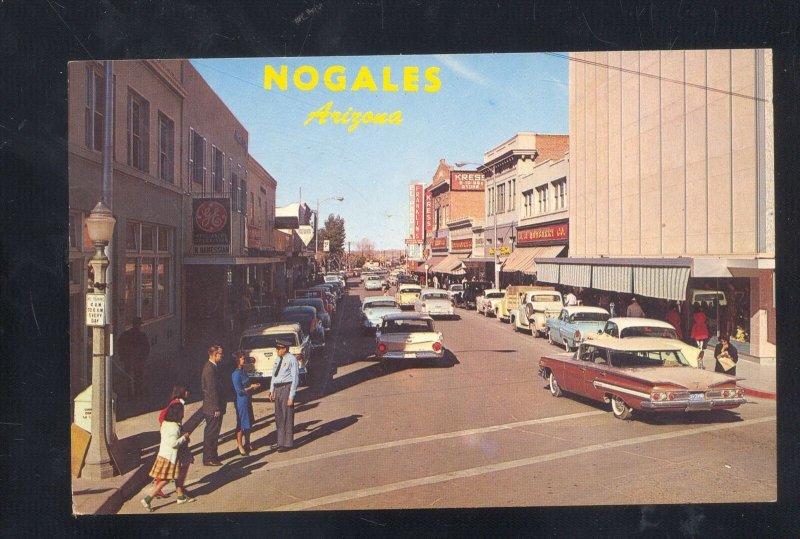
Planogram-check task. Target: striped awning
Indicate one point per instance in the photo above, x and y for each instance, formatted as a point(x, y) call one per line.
point(522, 259)
point(664, 283)
point(576, 275)
point(432, 261)
point(612, 278)
point(451, 264)
point(547, 273)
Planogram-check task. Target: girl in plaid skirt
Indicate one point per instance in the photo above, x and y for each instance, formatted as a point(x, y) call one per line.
point(173, 457)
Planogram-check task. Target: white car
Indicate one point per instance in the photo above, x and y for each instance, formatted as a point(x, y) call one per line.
point(624, 327)
point(434, 302)
point(373, 282)
point(258, 342)
point(408, 336)
point(374, 308)
point(488, 303)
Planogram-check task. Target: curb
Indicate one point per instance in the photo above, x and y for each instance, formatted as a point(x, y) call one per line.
point(760, 394)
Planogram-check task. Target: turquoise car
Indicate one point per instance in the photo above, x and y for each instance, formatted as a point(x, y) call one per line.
point(572, 325)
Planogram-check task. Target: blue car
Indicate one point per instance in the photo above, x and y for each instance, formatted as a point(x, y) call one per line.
point(572, 325)
point(374, 308)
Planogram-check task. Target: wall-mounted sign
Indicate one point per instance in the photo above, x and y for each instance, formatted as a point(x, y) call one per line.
point(544, 234)
point(467, 180)
point(428, 211)
point(461, 245)
point(211, 226)
point(439, 243)
point(95, 309)
point(326, 245)
point(305, 232)
point(503, 250)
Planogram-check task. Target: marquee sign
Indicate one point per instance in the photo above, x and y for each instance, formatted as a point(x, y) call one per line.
point(211, 226)
point(544, 234)
point(467, 181)
point(461, 245)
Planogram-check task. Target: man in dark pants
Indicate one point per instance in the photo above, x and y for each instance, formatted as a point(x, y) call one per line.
point(213, 406)
point(282, 389)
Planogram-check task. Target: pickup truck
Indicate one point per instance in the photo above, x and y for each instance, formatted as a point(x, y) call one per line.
point(511, 300)
point(535, 308)
point(472, 290)
point(487, 303)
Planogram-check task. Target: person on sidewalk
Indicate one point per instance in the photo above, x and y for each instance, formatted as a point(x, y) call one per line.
point(570, 299)
point(213, 406)
point(673, 317)
point(134, 347)
point(726, 356)
point(282, 389)
point(173, 458)
point(180, 395)
point(634, 310)
point(244, 404)
point(699, 326)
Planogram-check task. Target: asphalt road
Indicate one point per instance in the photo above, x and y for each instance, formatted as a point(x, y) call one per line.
point(477, 429)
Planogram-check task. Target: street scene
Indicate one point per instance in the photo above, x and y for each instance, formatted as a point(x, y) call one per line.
point(317, 284)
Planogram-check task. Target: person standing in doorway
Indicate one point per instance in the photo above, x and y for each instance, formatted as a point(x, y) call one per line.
point(635, 310)
point(282, 390)
point(134, 347)
point(213, 406)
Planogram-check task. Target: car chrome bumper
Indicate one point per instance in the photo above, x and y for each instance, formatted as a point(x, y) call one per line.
point(413, 355)
point(690, 406)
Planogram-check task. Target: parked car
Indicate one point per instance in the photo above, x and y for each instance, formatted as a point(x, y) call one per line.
point(324, 295)
point(374, 308)
point(535, 308)
point(515, 294)
point(319, 305)
point(408, 336)
point(639, 374)
point(455, 291)
point(406, 279)
point(373, 282)
point(258, 342)
point(624, 327)
point(407, 295)
point(434, 302)
point(472, 290)
point(488, 303)
point(570, 328)
point(306, 316)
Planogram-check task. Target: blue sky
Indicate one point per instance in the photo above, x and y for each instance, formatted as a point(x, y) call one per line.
point(483, 100)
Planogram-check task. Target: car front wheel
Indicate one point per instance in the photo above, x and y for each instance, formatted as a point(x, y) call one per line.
point(620, 409)
point(555, 389)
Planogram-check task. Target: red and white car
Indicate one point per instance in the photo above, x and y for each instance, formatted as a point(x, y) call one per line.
point(639, 373)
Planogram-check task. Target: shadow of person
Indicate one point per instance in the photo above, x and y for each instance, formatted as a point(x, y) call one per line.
point(230, 471)
point(325, 429)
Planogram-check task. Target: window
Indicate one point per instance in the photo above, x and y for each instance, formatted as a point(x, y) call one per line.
point(501, 198)
point(491, 201)
point(542, 193)
point(94, 105)
point(166, 148)
point(243, 196)
point(234, 192)
point(527, 198)
point(217, 169)
point(197, 157)
point(560, 193)
point(147, 287)
point(512, 194)
point(138, 132)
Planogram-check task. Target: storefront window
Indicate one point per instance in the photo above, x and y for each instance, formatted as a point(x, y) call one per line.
point(129, 292)
point(148, 299)
point(147, 238)
point(132, 236)
point(163, 287)
point(148, 278)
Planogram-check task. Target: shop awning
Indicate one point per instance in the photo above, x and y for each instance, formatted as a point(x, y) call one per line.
point(432, 262)
point(664, 283)
point(522, 259)
point(451, 265)
point(576, 275)
point(612, 278)
point(229, 260)
point(478, 259)
point(547, 272)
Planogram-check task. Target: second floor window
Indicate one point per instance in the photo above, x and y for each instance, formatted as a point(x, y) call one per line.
point(197, 157)
point(138, 132)
point(166, 148)
point(542, 193)
point(560, 193)
point(217, 169)
point(527, 197)
point(94, 105)
point(501, 198)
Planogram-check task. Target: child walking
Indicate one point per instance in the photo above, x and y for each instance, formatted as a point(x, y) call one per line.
point(173, 458)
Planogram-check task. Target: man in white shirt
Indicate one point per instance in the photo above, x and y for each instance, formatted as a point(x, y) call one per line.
point(570, 299)
point(282, 389)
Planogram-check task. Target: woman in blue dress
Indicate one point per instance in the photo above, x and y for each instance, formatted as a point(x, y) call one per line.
point(244, 404)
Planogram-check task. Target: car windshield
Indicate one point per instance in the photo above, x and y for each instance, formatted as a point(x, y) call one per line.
point(384, 304)
point(407, 326)
point(302, 318)
point(589, 317)
point(649, 331)
point(495, 294)
point(545, 298)
point(252, 342)
point(437, 295)
point(709, 296)
point(309, 302)
point(410, 289)
point(653, 358)
point(374, 278)
point(457, 287)
point(308, 294)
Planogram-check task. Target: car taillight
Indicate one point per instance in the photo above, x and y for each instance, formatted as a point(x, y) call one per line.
point(577, 335)
point(437, 346)
point(381, 348)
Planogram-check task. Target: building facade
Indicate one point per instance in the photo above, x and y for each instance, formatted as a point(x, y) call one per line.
point(671, 173)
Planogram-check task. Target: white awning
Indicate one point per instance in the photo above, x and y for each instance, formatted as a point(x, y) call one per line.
point(664, 283)
point(452, 265)
point(576, 275)
point(547, 273)
point(612, 278)
point(522, 259)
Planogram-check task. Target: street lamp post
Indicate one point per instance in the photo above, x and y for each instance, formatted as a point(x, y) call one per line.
point(494, 212)
point(316, 223)
point(100, 225)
